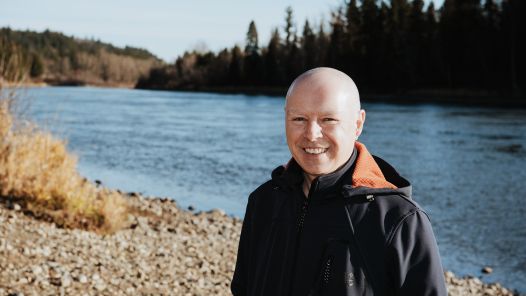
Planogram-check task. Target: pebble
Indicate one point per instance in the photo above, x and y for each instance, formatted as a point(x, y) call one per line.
point(83, 279)
point(487, 270)
point(100, 287)
point(37, 270)
point(66, 280)
point(45, 251)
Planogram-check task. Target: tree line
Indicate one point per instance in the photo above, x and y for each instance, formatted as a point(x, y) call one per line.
point(59, 59)
point(391, 46)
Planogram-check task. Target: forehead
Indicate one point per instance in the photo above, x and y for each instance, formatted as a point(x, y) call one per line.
point(318, 98)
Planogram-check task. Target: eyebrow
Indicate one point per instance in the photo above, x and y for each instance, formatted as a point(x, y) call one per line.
point(294, 112)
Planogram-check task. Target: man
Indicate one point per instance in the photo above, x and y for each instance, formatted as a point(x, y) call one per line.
point(335, 220)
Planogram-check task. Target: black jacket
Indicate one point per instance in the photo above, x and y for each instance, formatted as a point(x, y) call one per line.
point(357, 233)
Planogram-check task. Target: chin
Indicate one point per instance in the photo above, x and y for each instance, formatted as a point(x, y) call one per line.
point(315, 171)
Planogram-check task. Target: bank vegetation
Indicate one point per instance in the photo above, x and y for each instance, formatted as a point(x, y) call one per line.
point(54, 58)
point(39, 176)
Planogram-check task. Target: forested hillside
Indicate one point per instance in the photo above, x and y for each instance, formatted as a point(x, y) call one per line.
point(395, 46)
point(55, 58)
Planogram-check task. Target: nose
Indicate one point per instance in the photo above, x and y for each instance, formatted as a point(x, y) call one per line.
point(313, 131)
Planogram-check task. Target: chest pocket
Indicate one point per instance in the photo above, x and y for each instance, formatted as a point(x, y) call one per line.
point(341, 271)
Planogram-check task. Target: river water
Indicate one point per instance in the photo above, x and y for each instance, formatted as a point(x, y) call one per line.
point(466, 164)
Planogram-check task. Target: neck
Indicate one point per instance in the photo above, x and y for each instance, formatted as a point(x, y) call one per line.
point(327, 180)
point(307, 181)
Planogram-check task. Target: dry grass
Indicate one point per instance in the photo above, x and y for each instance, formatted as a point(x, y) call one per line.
point(38, 172)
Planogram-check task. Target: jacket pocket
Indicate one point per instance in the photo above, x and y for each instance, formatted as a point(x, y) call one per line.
point(341, 271)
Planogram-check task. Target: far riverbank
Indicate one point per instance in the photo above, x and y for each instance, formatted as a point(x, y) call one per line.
point(467, 97)
point(461, 97)
point(65, 82)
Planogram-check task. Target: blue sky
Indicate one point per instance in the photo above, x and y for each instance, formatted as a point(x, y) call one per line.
point(166, 28)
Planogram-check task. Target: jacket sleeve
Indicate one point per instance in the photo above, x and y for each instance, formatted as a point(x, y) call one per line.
point(239, 284)
point(414, 260)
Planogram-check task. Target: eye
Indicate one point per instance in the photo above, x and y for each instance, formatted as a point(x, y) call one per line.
point(330, 119)
point(298, 119)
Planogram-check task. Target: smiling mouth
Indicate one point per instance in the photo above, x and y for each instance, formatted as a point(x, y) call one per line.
point(315, 151)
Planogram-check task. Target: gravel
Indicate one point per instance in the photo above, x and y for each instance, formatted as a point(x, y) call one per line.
point(165, 250)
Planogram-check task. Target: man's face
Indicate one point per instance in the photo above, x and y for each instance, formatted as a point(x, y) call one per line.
point(322, 125)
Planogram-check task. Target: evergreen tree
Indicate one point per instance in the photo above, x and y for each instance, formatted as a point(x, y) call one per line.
point(448, 38)
point(219, 67)
point(323, 46)
point(401, 71)
point(353, 25)
point(290, 33)
point(513, 30)
point(353, 40)
point(274, 71)
point(252, 46)
point(372, 45)
point(461, 32)
point(235, 68)
point(309, 46)
point(294, 60)
point(416, 40)
point(336, 48)
point(294, 63)
point(253, 64)
point(493, 45)
point(382, 53)
point(432, 68)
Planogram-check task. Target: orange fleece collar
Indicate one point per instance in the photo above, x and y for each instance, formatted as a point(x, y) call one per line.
point(367, 173)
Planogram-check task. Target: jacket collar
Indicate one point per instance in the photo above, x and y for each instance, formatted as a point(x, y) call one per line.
point(332, 181)
point(367, 173)
point(291, 175)
point(362, 174)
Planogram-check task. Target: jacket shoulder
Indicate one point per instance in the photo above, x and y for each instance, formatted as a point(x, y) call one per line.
point(395, 208)
point(400, 203)
point(266, 200)
point(262, 190)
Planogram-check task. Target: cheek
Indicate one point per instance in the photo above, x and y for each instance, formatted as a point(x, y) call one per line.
point(292, 140)
point(340, 138)
point(293, 133)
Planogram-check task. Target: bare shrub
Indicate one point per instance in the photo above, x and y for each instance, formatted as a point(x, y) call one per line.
point(38, 172)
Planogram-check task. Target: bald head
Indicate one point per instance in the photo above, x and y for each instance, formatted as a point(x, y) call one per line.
point(326, 82)
point(323, 120)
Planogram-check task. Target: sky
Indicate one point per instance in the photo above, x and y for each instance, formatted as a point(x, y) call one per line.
point(165, 28)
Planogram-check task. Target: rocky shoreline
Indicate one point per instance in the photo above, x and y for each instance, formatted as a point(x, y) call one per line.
point(165, 250)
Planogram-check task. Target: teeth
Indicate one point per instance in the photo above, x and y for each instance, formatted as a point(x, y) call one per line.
point(315, 150)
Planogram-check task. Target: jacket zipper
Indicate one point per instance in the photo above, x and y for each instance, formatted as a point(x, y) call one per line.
point(301, 222)
point(327, 271)
point(303, 213)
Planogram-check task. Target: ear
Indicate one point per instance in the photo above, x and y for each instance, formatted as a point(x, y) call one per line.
point(360, 122)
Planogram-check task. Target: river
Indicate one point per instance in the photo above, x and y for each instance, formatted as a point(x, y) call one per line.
point(466, 164)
